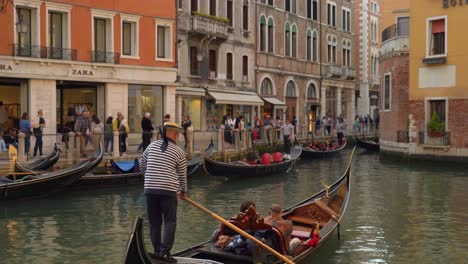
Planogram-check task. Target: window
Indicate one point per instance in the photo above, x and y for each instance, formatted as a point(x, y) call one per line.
point(213, 7)
point(270, 2)
point(103, 37)
point(437, 106)
point(245, 68)
point(437, 37)
point(293, 6)
point(346, 20)
point(180, 4)
point(372, 65)
point(270, 35)
point(193, 6)
point(58, 31)
point(164, 40)
point(287, 40)
point(55, 35)
point(403, 26)
point(387, 91)
point(331, 49)
point(294, 41)
point(287, 5)
point(309, 45)
point(229, 12)
point(314, 46)
point(309, 9)
point(129, 35)
point(194, 61)
point(311, 93)
point(262, 33)
point(331, 14)
point(245, 16)
point(346, 53)
point(229, 66)
point(24, 31)
point(315, 10)
point(212, 63)
point(290, 89)
point(100, 33)
point(266, 87)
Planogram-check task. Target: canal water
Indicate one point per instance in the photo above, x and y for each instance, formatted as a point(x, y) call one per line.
point(398, 213)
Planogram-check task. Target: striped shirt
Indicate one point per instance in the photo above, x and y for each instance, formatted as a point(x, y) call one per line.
point(165, 172)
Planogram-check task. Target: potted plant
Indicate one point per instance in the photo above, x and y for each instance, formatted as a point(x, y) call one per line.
point(435, 127)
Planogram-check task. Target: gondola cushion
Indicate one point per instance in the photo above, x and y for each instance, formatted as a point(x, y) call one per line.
point(277, 157)
point(266, 159)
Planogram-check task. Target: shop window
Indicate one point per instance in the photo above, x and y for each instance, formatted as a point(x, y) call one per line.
point(142, 99)
point(262, 33)
point(266, 87)
point(270, 35)
point(245, 68)
point(245, 16)
point(437, 37)
point(164, 41)
point(229, 66)
point(192, 106)
point(194, 61)
point(229, 12)
point(387, 92)
point(212, 64)
point(213, 7)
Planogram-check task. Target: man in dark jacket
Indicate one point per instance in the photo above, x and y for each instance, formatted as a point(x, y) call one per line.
point(83, 125)
point(147, 128)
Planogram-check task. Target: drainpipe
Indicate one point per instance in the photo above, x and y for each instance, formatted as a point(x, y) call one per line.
point(320, 52)
point(256, 54)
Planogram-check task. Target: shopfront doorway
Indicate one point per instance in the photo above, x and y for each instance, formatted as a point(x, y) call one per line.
point(72, 99)
point(14, 96)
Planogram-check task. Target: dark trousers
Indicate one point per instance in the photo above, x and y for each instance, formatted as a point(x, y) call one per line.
point(123, 142)
point(287, 144)
point(340, 138)
point(108, 141)
point(27, 143)
point(185, 139)
point(146, 136)
point(162, 209)
point(38, 144)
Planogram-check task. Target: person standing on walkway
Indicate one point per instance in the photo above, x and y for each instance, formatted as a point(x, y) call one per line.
point(108, 135)
point(38, 124)
point(164, 167)
point(340, 130)
point(25, 127)
point(287, 128)
point(83, 126)
point(147, 128)
point(123, 134)
point(97, 131)
point(186, 123)
point(3, 116)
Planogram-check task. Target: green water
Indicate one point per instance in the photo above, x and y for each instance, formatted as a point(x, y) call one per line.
point(397, 214)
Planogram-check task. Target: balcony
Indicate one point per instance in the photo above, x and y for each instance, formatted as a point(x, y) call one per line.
point(33, 51)
point(395, 39)
point(105, 57)
point(349, 73)
point(208, 25)
point(334, 70)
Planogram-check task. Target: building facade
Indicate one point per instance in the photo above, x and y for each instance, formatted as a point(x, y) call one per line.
point(101, 56)
point(303, 62)
point(216, 43)
point(368, 38)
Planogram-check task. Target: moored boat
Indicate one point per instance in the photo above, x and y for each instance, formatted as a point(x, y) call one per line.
point(314, 221)
point(41, 163)
point(368, 144)
point(243, 169)
point(316, 152)
point(15, 187)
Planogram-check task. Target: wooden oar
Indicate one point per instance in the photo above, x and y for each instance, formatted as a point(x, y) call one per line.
point(238, 230)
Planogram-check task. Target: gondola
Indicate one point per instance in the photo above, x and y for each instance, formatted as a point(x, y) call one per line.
point(41, 163)
point(241, 169)
point(308, 152)
point(31, 185)
point(372, 145)
point(316, 217)
point(120, 175)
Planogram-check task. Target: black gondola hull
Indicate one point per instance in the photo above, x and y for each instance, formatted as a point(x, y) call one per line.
point(40, 164)
point(315, 154)
point(373, 146)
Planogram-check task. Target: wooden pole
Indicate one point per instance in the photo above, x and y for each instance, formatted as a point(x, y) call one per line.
point(238, 230)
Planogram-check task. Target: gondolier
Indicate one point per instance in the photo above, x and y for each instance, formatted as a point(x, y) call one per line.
point(164, 167)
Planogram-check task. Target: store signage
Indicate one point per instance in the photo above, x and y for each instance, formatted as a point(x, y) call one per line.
point(448, 3)
point(82, 72)
point(4, 67)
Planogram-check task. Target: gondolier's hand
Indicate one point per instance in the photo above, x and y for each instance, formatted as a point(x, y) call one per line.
point(182, 195)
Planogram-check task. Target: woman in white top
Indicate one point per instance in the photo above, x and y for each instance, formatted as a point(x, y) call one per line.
point(97, 131)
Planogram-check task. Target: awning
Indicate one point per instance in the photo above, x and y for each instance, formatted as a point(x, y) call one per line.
point(190, 91)
point(277, 103)
point(236, 98)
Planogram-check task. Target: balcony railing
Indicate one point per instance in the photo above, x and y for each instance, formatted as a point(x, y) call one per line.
point(105, 57)
point(434, 138)
point(34, 51)
point(402, 136)
point(334, 70)
point(395, 30)
point(349, 73)
point(209, 26)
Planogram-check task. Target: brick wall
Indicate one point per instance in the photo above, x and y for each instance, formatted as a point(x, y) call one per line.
point(397, 118)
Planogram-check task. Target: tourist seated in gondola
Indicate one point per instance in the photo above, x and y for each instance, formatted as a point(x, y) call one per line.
point(284, 226)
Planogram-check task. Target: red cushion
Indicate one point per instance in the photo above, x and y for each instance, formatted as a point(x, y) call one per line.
point(266, 159)
point(277, 157)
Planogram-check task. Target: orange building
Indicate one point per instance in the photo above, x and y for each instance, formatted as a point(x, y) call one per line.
point(104, 56)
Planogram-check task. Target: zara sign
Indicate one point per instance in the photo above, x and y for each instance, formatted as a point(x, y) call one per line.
point(448, 3)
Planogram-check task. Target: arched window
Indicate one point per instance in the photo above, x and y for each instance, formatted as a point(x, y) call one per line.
point(309, 45)
point(314, 46)
point(270, 35)
point(294, 41)
point(266, 87)
point(290, 89)
point(311, 93)
point(287, 40)
point(262, 33)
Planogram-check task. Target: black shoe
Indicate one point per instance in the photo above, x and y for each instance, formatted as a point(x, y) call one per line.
point(158, 257)
point(168, 257)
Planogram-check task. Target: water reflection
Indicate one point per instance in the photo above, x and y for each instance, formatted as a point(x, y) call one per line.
point(397, 214)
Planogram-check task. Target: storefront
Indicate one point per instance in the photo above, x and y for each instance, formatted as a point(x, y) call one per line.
point(142, 99)
point(14, 95)
point(273, 107)
point(190, 101)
